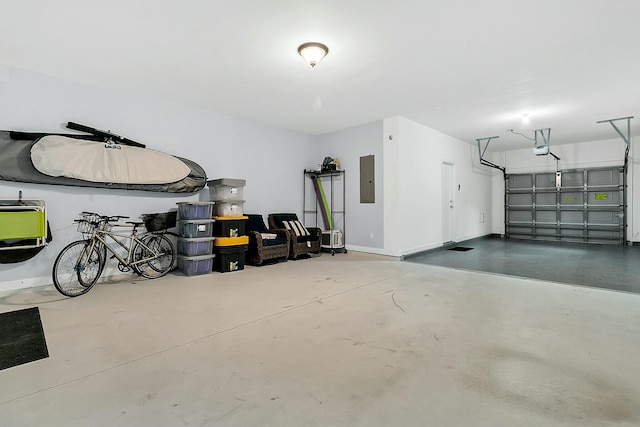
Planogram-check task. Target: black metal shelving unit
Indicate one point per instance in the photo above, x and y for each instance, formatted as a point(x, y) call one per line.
point(330, 241)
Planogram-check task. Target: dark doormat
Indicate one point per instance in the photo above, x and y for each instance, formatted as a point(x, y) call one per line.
point(460, 249)
point(21, 338)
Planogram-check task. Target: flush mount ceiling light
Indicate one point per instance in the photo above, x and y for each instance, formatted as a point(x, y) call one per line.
point(313, 52)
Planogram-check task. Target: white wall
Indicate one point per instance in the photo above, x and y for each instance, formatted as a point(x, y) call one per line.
point(583, 155)
point(633, 180)
point(364, 221)
point(390, 185)
point(573, 156)
point(416, 154)
point(224, 146)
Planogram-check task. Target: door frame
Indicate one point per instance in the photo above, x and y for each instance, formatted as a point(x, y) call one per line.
point(448, 202)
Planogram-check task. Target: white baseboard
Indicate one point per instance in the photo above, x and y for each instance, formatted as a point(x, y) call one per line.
point(33, 282)
point(366, 249)
point(110, 274)
point(418, 249)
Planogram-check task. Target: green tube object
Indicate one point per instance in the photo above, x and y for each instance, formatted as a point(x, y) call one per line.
point(322, 201)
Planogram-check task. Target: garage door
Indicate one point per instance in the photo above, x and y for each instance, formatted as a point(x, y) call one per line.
point(585, 205)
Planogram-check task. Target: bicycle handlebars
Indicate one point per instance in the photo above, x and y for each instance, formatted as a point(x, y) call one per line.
point(96, 217)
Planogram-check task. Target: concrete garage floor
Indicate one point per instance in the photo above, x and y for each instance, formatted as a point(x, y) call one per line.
point(601, 266)
point(350, 340)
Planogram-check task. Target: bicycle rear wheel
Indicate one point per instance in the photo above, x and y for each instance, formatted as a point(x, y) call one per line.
point(77, 268)
point(162, 254)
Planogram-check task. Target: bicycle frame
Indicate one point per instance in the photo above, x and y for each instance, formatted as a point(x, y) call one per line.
point(97, 236)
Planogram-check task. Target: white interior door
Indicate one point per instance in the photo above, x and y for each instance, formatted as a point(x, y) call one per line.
point(447, 202)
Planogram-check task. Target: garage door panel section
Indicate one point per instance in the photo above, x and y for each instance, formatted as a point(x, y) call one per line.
point(578, 205)
point(517, 199)
point(546, 199)
point(573, 179)
point(572, 198)
point(603, 178)
point(545, 180)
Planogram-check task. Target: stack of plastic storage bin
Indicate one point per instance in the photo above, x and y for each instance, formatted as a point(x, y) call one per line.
point(231, 241)
point(195, 241)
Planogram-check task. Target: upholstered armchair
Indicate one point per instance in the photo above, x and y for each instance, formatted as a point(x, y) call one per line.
point(303, 240)
point(265, 244)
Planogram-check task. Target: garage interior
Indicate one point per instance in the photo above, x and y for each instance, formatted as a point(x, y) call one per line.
point(492, 274)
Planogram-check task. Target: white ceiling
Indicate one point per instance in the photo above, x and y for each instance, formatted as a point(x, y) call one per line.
point(467, 68)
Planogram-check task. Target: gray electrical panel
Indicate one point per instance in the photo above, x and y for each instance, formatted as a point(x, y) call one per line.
point(367, 179)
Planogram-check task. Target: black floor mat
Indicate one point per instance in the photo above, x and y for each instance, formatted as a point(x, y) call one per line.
point(21, 338)
point(460, 249)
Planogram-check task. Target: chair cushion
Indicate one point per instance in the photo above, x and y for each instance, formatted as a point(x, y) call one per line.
point(297, 227)
point(255, 223)
point(281, 217)
point(310, 238)
point(274, 242)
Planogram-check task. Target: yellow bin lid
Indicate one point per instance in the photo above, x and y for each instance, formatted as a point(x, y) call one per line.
point(231, 241)
point(229, 218)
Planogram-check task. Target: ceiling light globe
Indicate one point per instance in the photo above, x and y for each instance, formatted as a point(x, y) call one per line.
point(313, 52)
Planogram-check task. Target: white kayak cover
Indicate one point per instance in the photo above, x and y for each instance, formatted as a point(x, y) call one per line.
point(56, 155)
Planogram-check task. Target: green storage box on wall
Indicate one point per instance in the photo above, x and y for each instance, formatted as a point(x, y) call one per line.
point(28, 224)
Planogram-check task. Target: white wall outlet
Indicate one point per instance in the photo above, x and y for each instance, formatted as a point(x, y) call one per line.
point(371, 235)
point(481, 217)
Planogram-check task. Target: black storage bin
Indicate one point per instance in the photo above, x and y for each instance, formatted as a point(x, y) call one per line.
point(230, 226)
point(160, 221)
point(229, 258)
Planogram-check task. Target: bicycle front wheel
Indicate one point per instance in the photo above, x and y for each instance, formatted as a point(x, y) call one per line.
point(77, 268)
point(102, 248)
point(159, 252)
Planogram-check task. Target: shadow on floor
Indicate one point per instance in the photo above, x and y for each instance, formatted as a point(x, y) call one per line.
point(599, 266)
